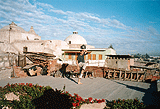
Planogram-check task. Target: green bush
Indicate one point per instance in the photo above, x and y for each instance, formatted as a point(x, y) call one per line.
point(125, 104)
point(27, 92)
point(36, 96)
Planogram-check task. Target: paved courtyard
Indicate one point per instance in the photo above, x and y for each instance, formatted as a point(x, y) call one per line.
point(99, 88)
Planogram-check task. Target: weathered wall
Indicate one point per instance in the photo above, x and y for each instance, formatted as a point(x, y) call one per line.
point(6, 63)
point(4, 36)
point(7, 47)
point(6, 73)
point(47, 46)
point(118, 63)
point(32, 46)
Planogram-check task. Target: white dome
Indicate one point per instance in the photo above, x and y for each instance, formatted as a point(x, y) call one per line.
point(75, 39)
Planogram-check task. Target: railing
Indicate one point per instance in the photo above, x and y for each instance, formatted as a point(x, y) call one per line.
point(100, 63)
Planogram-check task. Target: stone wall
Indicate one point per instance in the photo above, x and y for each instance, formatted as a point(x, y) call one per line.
point(7, 60)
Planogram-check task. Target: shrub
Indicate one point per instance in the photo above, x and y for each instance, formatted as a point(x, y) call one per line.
point(126, 104)
point(27, 92)
point(36, 96)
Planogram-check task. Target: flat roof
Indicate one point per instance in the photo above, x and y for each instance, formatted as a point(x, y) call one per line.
point(144, 67)
point(120, 56)
point(78, 49)
point(40, 53)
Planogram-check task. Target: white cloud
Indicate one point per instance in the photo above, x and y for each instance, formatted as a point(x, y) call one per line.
point(100, 32)
point(59, 12)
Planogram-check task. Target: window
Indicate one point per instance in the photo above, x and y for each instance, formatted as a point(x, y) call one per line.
point(24, 49)
point(89, 56)
point(70, 56)
point(100, 56)
point(69, 42)
point(27, 38)
point(36, 39)
point(94, 57)
point(76, 57)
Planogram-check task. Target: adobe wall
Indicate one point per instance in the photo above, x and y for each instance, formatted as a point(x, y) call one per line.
point(97, 71)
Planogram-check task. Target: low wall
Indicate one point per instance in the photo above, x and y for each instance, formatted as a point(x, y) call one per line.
point(6, 73)
point(7, 60)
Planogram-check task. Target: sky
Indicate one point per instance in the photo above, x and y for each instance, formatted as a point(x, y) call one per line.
point(131, 26)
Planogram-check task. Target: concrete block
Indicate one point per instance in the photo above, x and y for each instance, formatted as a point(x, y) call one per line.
point(11, 96)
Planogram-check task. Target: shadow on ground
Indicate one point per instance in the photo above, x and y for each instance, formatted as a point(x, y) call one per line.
point(151, 97)
point(72, 80)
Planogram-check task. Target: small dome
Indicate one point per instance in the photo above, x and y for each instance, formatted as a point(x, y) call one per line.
point(75, 39)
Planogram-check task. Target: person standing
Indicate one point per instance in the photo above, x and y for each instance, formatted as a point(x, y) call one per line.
point(81, 65)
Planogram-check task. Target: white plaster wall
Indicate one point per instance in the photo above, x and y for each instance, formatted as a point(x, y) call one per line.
point(30, 36)
point(131, 62)
point(32, 46)
point(57, 46)
point(113, 52)
point(15, 36)
point(4, 36)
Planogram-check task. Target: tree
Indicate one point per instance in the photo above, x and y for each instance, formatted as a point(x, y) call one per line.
point(147, 56)
point(111, 46)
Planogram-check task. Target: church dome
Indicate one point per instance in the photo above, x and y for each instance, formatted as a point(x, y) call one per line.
point(12, 26)
point(75, 39)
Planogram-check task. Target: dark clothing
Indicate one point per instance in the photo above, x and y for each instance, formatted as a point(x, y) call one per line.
point(80, 58)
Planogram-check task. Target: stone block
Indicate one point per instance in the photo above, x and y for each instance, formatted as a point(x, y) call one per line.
point(39, 70)
point(94, 106)
point(11, 96)
point(32, 72)
point(19, 73)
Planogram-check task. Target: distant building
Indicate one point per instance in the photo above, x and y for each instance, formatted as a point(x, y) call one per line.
point(96, 56)
point(15, 39)
point(12, 33)
point(119, 61)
